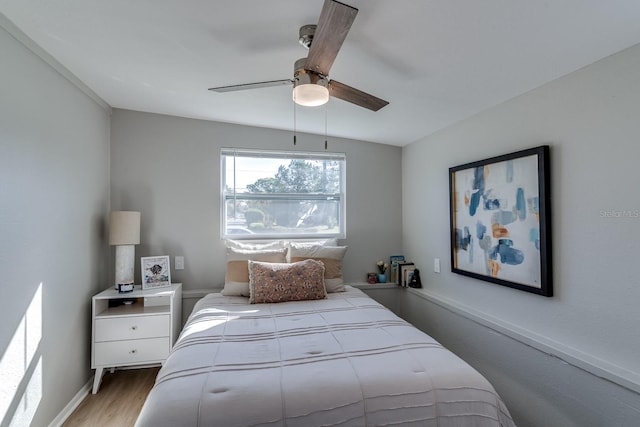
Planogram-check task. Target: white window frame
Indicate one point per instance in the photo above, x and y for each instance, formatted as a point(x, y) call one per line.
point(233, 153)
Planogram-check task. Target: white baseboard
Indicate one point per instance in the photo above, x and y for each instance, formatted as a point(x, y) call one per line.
point(72, 405)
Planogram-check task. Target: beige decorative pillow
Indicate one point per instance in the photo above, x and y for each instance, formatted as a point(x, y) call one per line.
point(236, 280)
point(330, 256)
point(280, 282)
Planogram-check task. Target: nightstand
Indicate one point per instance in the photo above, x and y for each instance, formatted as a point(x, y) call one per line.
point(134, 329)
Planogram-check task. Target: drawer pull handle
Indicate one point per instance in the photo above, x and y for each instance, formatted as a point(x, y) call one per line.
point(133, 351)
point(133, 328)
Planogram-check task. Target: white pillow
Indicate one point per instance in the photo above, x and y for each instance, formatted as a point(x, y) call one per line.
point(236, 280)
point(276, 244)
point(254, 246)
point(301, 244)
point(314, 242)
point(331, 257)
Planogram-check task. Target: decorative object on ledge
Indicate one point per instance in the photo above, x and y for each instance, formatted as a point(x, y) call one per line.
point(372, 278)
point(393, 263)
point(414, 279)
point(382, 268)
point(405, 269)
point(500, 220)
point(155, 272)
point(124, 234)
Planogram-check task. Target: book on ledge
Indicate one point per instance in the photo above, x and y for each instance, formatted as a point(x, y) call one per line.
point(404, 268)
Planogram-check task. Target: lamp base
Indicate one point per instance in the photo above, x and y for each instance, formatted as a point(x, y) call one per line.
point(125, 261)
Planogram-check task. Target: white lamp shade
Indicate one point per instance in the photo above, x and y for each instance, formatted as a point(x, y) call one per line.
point(310, 94)
point(124, 228)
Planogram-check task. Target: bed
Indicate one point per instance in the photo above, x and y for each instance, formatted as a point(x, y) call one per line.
point(341, 361)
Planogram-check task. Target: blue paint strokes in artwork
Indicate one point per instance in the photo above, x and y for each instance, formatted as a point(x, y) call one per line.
point(508, 254)
point(490, 203)
point(520, 204)
point(474, 202)
point(466, 229)
point(478, 185)
point(485, 243)
point(534, 236)
point(503, 217)
point(478, 179)
point(481, 230)
point(534, 205)
point(463, 239)
point(509, 171)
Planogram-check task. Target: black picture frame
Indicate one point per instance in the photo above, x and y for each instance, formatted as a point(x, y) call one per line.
point(500, 220)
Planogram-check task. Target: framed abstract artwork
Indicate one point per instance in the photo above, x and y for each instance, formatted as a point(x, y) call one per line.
point(500, 213)
point(156, 272)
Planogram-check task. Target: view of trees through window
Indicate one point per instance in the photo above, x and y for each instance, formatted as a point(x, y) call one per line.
point(271, 196)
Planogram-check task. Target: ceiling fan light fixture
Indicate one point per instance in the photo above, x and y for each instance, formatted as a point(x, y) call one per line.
point(309, 89)
point(310, 94)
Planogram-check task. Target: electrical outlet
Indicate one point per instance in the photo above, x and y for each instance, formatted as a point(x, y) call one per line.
point(436, 265)
point(179, 263)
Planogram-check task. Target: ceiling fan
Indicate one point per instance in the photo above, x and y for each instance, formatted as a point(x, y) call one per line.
point(311, 84)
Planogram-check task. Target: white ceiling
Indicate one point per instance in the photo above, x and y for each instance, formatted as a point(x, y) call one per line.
point(435, 61)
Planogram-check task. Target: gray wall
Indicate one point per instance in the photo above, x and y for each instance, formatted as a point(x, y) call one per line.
point(590, 120)
point(539, 389)
point(168, 168)
point(54, 196)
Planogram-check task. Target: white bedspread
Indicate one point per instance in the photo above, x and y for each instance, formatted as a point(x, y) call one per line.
point(343, 361)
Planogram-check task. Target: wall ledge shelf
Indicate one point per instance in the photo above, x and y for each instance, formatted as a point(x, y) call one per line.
point(595, 366)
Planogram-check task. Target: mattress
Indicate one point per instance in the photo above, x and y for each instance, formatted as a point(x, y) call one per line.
point(342, 361)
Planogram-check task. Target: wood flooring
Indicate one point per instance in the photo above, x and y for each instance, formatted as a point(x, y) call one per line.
point(118, 402)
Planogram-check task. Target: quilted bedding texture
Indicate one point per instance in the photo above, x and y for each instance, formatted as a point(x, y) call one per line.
point(341, 361)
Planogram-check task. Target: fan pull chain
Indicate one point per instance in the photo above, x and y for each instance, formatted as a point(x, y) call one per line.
point(294, 118)
point(325, 126)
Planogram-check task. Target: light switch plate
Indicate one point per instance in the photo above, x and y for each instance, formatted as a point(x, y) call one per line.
point(436, 265)
point(179, 263)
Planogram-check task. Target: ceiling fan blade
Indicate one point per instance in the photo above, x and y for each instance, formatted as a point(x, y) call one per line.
point(333, 26)
point(252, 85)
point(355, 96)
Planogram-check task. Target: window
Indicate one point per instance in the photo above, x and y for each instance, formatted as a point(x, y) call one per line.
point(278, 194)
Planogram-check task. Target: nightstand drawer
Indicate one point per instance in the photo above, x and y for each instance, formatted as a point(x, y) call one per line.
point(121, 353)
point(132, 327)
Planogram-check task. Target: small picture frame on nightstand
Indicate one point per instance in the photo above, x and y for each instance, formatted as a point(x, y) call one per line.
point(155, 272)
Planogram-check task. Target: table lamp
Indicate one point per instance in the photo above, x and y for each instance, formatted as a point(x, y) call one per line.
point(124, 234)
